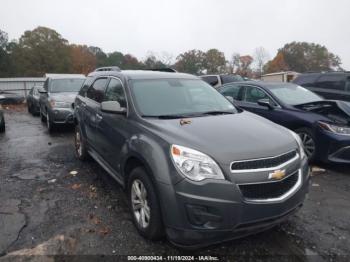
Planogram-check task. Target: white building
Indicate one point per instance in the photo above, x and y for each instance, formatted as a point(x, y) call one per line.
point(286, 76)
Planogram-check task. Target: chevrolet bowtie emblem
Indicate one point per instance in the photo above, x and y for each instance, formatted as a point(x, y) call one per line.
point(277, 175)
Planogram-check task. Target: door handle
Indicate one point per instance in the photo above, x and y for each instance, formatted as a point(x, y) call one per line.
point(99, 117)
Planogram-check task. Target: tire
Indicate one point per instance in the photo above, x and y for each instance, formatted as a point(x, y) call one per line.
point(2, 125)
point(80, 145)
point(50, 125)
point(308, 139)
point(42, 117)
point(144, 202)
point(29, 108)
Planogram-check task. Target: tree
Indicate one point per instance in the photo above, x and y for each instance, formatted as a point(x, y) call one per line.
point(114, 59)
point(191, 62)
point(151, 62)
point(303, 57)
point(82, 60)
point(40, 51)
point(261, 56)
point(130, 62)
point(214, 61)
point(277, 64)
point(4, 56)
point(101, 56)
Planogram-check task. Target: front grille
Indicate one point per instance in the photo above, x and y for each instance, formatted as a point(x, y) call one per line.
point(269, 190)
point(263, 163)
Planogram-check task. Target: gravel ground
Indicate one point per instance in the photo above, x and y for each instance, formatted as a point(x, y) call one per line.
point(46, 210)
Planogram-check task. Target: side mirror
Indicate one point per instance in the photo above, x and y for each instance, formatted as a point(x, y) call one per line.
point(229, 98)
point(41, 90)
point(112, 107)
point(265, 103)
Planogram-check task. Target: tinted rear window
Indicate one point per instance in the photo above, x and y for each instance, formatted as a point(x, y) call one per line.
point(332, 81)
point(306, 80)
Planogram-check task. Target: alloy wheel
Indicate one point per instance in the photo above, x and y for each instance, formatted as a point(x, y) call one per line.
point(141, 209)
point(78, 146)
point(309, 144)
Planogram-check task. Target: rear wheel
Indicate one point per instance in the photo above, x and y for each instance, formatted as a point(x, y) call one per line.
point(144, 205)
point(80, 146)
point(2, 124)
point(308, 139)
point(42, 117)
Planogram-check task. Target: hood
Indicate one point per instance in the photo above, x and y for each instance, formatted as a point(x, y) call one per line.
point(227, 137)
point(64, 96)
point(335, 110)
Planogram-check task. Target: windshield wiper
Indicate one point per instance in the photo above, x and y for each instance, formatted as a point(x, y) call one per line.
point(175, 116)
point(217, 112)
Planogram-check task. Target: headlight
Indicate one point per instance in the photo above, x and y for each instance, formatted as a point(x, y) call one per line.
point(194, 164)
point(58, 104)
point(340, 130)
point(300, 144)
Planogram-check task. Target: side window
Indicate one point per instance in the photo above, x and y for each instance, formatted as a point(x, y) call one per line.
point(97, 89)
point(254, 94)
point(115, 92)
point(86, 85)
point(331, 81)
point(211, 80)
point(232, 91)
point(347, 87)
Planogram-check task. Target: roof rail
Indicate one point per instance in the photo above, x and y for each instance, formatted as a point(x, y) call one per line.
point(165, 69)
point(108, 68)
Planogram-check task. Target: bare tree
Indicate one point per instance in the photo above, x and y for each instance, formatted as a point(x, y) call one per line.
point(235, 63)
point(261, 56)
point(166, 58)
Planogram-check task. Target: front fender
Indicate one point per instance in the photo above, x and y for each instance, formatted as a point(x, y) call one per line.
point(155, 154)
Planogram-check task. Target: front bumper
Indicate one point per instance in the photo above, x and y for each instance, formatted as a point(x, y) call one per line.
point(215, 211)
point(61, 115)
point(333, 148)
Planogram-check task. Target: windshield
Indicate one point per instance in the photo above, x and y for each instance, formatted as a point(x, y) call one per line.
point(66, 85)
point(164, 97)
point(294, 95)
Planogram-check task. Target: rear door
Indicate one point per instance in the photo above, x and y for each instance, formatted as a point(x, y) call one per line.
point(112, 129)
point(94, 97)
point(332, 86)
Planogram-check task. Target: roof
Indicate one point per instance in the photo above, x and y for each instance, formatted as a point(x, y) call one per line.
point(62, 76)
point(268, 85)
point(22, 79)
point(144, 74)
point(282, 73)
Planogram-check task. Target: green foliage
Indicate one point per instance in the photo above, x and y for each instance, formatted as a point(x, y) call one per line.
point(304, 57)
point(39, 51)
point(43, 50)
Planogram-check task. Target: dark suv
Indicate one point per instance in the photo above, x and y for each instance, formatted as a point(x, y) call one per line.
point(330, 85)
point(194, 167)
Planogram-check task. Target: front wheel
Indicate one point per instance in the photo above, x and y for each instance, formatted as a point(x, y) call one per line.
point(144, 205)
point(50, 125)
point(80, 146)
point(307, 137)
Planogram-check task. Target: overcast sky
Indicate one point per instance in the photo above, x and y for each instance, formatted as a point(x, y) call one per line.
point(140, 26)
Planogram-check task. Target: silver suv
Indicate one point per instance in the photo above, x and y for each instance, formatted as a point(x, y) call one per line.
point(57, 98)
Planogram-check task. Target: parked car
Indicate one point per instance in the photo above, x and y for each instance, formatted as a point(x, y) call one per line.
point(323, 125)
point(219, 80)
point(2, 120)
point(57, 98)
point(194, 167)
point(330, 85)
point(33, 100)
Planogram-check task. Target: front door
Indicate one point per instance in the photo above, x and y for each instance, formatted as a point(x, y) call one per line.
point(112, 129)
